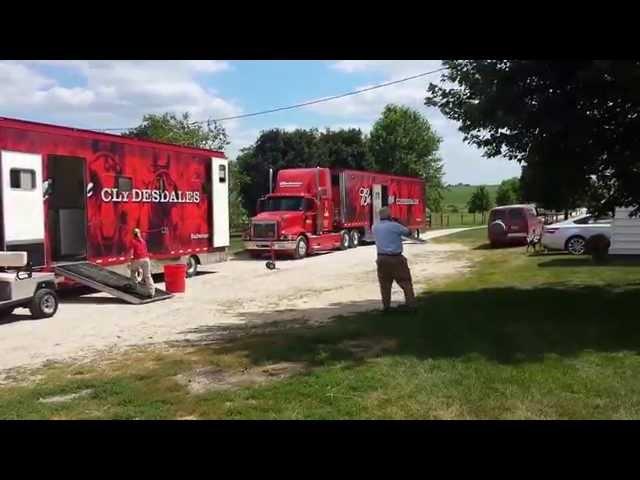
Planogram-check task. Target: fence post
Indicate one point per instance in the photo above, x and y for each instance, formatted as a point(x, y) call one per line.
point(447, 220)
point(441, 218)
point(462, 218)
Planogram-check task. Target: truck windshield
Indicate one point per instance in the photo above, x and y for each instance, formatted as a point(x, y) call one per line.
point(276, 204)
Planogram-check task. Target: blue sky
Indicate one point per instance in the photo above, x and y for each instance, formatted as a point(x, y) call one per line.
point(108, 94)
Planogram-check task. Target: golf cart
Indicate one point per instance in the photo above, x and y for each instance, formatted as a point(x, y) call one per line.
point(21, 287)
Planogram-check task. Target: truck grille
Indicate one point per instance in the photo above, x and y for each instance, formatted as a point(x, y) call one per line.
point(264, 230)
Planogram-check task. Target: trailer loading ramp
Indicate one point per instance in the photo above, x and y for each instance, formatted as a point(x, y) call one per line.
point(108, 281)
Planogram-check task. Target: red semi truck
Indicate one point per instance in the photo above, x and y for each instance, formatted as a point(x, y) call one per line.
point(319, 209)
point(71, 196)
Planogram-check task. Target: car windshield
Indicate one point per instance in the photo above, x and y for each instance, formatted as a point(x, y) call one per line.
point(583, 220)
point(590, 220)
point(276, 204)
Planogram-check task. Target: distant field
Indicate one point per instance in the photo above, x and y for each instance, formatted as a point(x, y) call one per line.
point(459, 196)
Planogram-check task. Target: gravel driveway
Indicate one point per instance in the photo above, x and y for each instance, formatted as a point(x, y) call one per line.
point(235, 292)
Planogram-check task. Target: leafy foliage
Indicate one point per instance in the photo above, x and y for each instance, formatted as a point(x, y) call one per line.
point(508, 192)
point(168, 127)
point(403, 142)
point(572, 124)
point(480, 201)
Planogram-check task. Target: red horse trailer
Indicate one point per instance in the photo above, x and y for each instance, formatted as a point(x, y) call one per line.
point(318, 209)
point(71, 195)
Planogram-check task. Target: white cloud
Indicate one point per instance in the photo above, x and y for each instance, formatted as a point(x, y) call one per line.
point(111, 93)
point(390, 67)
point(463, 162)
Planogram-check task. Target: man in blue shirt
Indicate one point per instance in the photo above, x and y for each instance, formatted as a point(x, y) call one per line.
point(392, 265)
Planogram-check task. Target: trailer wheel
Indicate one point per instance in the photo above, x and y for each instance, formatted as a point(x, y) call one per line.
point(302, 247)
point(44, 304)
point(345, 240)
point(192, 266)
point(354, 239)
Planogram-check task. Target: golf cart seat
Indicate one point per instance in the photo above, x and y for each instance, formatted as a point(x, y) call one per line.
point(21, 287)
point(13, 259)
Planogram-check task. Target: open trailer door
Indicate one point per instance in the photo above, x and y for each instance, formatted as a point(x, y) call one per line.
point(23, 205)
point(220, 200)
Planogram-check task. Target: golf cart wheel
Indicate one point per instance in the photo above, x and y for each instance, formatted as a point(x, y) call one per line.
point(345, 240)
point(354, 239)
point(302, 248)
point(576, 245)
point(192, 266)
point(44, 304)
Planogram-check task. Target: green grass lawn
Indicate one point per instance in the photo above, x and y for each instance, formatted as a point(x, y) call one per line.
point(519, 337)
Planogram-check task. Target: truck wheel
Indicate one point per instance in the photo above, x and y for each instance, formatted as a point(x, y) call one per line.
point(192, 266)
point(354, 239)
point(345, 240)
point(302, 248)
point(44, 304)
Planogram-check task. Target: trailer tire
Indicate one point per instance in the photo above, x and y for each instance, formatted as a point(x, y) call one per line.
point(192, 266)
point(354, 239)
point(44, 304)
point(345, 240)
point(302, 248)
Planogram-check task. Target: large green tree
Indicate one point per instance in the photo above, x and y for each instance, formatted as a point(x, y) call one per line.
point(480, 201)
point(573, 124)
point(181, 130)
point(402, 141)
point(509, 192)
point(345, 148)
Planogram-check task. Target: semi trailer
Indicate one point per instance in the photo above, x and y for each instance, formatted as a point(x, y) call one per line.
point(70, 196)
point(319, 209)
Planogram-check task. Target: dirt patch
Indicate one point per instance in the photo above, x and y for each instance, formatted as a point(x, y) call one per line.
point(371, 347)
point(217, 379)
point(66, 398)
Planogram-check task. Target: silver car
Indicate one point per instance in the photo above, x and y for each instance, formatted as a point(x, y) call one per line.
point(572, 235)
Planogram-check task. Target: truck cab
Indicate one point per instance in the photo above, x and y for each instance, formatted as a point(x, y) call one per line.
point(297, 218)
